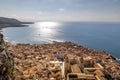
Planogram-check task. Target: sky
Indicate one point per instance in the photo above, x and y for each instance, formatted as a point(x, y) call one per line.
point(61, 10)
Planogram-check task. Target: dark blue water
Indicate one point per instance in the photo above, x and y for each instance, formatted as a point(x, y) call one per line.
point(97, 35)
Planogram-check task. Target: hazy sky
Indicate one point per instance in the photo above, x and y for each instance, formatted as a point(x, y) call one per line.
point(61, 10)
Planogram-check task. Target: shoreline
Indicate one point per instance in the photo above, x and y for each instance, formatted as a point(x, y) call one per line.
point(52, 42)
point(34, 58)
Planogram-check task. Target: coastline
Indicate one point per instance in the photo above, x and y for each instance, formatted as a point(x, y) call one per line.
point(33, 57)
point(15, 43)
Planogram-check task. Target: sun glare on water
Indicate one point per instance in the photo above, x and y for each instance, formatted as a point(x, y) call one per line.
point(46, 30)
point(47, 24)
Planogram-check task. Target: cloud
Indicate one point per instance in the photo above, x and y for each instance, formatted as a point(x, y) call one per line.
point(61, 9)
point(39, 12)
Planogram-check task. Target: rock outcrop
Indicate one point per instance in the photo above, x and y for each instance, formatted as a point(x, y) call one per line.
point(6, 62)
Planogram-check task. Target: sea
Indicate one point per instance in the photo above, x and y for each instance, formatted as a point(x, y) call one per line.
point(97, 35)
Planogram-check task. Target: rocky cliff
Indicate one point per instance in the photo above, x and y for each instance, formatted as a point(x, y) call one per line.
point(6, 62)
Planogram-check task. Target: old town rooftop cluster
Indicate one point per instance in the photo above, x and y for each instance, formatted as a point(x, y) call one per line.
point(62, 61)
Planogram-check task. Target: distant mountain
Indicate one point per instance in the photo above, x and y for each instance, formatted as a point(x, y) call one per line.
point(7, 22)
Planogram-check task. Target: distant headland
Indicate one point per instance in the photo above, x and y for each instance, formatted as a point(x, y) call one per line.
point(11, 22)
